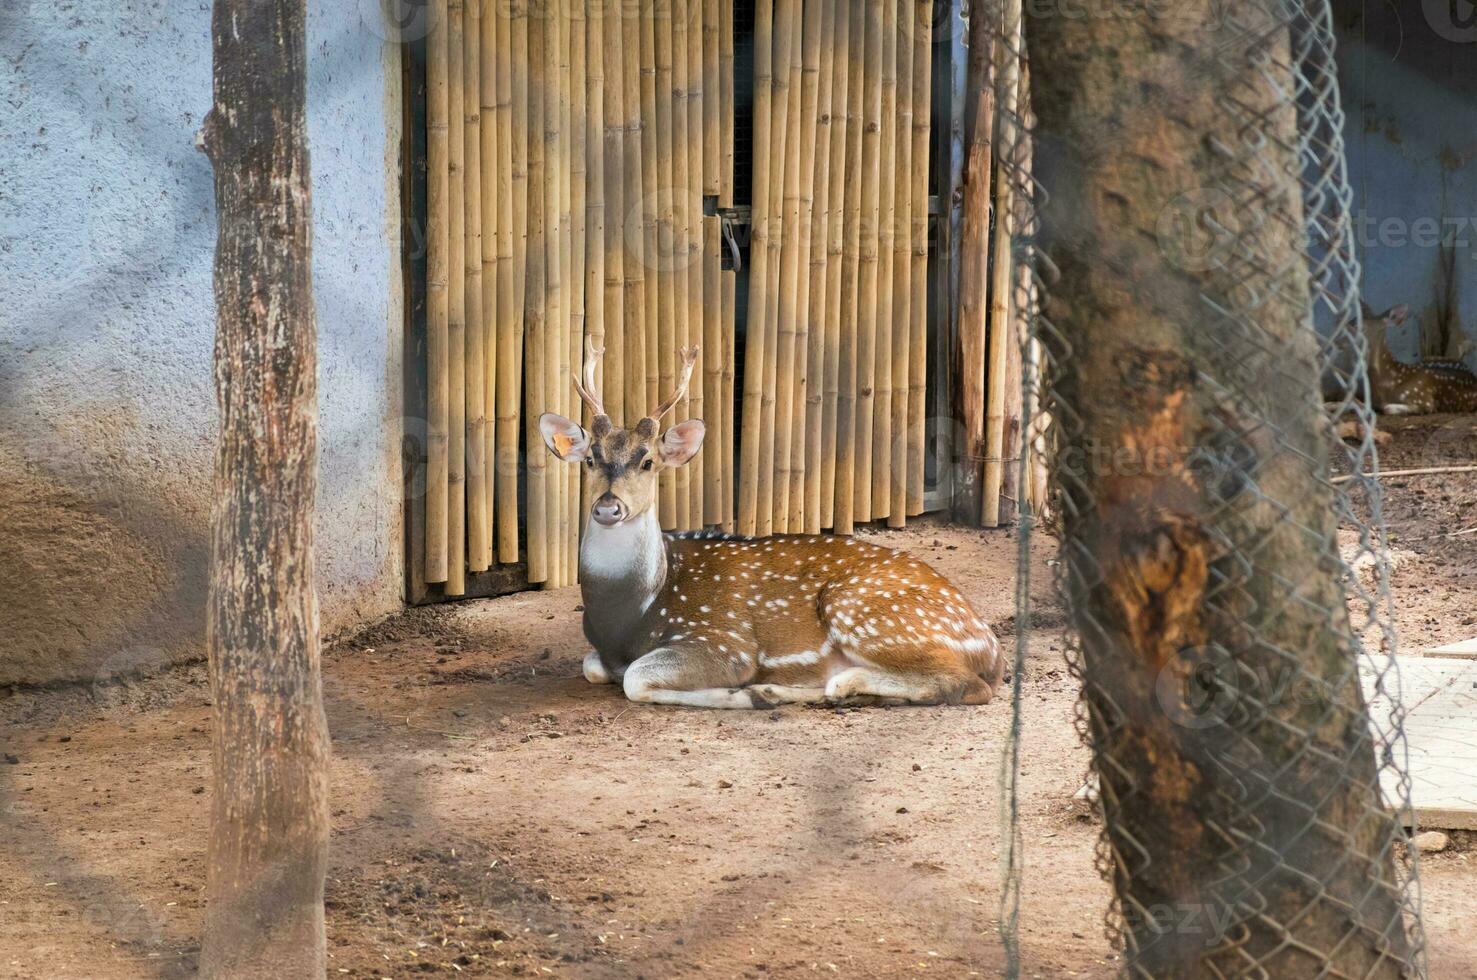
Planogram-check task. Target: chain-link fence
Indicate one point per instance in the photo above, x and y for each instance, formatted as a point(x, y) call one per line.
point(1193, 274)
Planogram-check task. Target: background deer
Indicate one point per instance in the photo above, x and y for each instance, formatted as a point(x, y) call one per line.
point(1427, 387)
point(716, 621)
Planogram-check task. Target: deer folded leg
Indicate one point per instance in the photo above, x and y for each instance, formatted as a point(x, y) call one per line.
point(864, 682)
point(697, 678)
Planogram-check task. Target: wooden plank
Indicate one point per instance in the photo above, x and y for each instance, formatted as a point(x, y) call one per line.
point(1439, 698)
point(438, 259)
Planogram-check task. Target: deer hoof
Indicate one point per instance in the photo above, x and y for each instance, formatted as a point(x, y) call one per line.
point(595, 671)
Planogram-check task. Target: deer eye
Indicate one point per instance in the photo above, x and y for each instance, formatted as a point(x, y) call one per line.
point(590, 462)
point(647, 465)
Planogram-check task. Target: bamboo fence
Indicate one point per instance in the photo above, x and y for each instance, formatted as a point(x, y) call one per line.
point(581, 181)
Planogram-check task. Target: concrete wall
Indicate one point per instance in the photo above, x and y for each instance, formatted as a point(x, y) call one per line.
point(107, 415)
point(1407, 83)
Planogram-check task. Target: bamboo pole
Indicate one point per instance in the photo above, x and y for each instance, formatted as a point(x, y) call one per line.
point(641, 307)
point(539, 221)
point(729, 279)
point(714, 410)
point(754, 348)
point(493, 218)
point(791, 27)
point(805, 127)
point(886, 231)
point(614, 364)
point(512, 250)
point(836, 224)
point(438, 247)
point(556, 323)
point(1003, 274)
point(971, 343)
point(651, 141)
point(1012, 485)
point(918, 301)
point(672, 288)
point(696, 279)
point(869, 269)
point(902, 229)
point(571, 271)
point(712, 99)
point(726, 105)
point(846, 386)
point(456, 286)
point(818, 243)
point(592, 152)
point(478, 537)
point(678, 257)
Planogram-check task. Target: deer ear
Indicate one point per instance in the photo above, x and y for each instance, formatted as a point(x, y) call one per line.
point(564, 438)
point(1398, 314)
point(681, 442)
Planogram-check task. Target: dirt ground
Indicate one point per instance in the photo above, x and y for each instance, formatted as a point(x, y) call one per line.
point(494, 814)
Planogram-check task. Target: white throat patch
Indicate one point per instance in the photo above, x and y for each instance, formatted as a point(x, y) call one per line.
point(630, 552)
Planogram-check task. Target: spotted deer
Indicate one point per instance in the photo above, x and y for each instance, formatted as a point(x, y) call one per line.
point(1424, 388)
point(717, 621)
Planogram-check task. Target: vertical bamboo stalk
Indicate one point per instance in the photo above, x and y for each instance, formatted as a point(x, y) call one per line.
point(652, 139)
point(512, 251)
point(846, 384)
point(640, 164)
point(696, 306)
point(729, 279)
point(478, 537)
point(438, 248)
point(672, 291)
point(537, 296)
point(795, 267)
point(678, 250)
point(726, 105)
point(614, 364)
point(571, 273)
point(1002, 271)
point(755, 355)
point(886, 232)
point(714, 410)
point(773, 477)
point(456, 334)
point(489, 175)
point(818, 243)
point(868, 270)
point(712, 99)
point(918, 303)
point(902, 272)
point(836, 224)
point(592, 94)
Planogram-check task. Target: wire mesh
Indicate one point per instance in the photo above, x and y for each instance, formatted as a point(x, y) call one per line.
point(1254, 812)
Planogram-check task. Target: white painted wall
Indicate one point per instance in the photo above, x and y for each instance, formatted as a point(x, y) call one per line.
point(107, 417)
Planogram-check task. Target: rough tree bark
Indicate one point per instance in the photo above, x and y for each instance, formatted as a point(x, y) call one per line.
point(269, 812)
point(1249, 838)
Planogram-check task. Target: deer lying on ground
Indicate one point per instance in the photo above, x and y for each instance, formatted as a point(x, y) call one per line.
point(1424, 388)
point(715, 621)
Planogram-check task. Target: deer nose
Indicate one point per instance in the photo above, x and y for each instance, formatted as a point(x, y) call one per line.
point(608, 510)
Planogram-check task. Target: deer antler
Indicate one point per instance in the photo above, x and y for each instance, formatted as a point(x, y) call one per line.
point(689, 358)
point(589, 393)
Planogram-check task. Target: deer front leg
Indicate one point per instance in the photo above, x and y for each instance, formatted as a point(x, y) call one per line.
point(698, 677)
point(595, 671)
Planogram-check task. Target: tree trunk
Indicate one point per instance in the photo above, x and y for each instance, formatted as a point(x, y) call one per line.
point(269, 810)
point(1242, 817)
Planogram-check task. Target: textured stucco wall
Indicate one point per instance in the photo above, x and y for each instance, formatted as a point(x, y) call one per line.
point(107, 414)
point(1407, 84)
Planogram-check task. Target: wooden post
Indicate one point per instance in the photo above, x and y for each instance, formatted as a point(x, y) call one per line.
point(479, 539)
point(1002, 282)
point(838, 195)
point(846, 385)
point(886, 232)
point(456, 289)
point(636, 166)
point(513, 250)
point(791, 261)
point(918, 301)
point(755, 353)
point(540, 223)
point(1179, 560)
point(971, 342)
point(438, 260)
point(671, 326)
point(590, 53)
point(902, 272)
point(729, 280)
point(818, 243)
point(693, 196)
point(715, 410)
point(269, 813)
point(679, 247)
point(614, 71)
point(869, 268)
point(493, 217)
